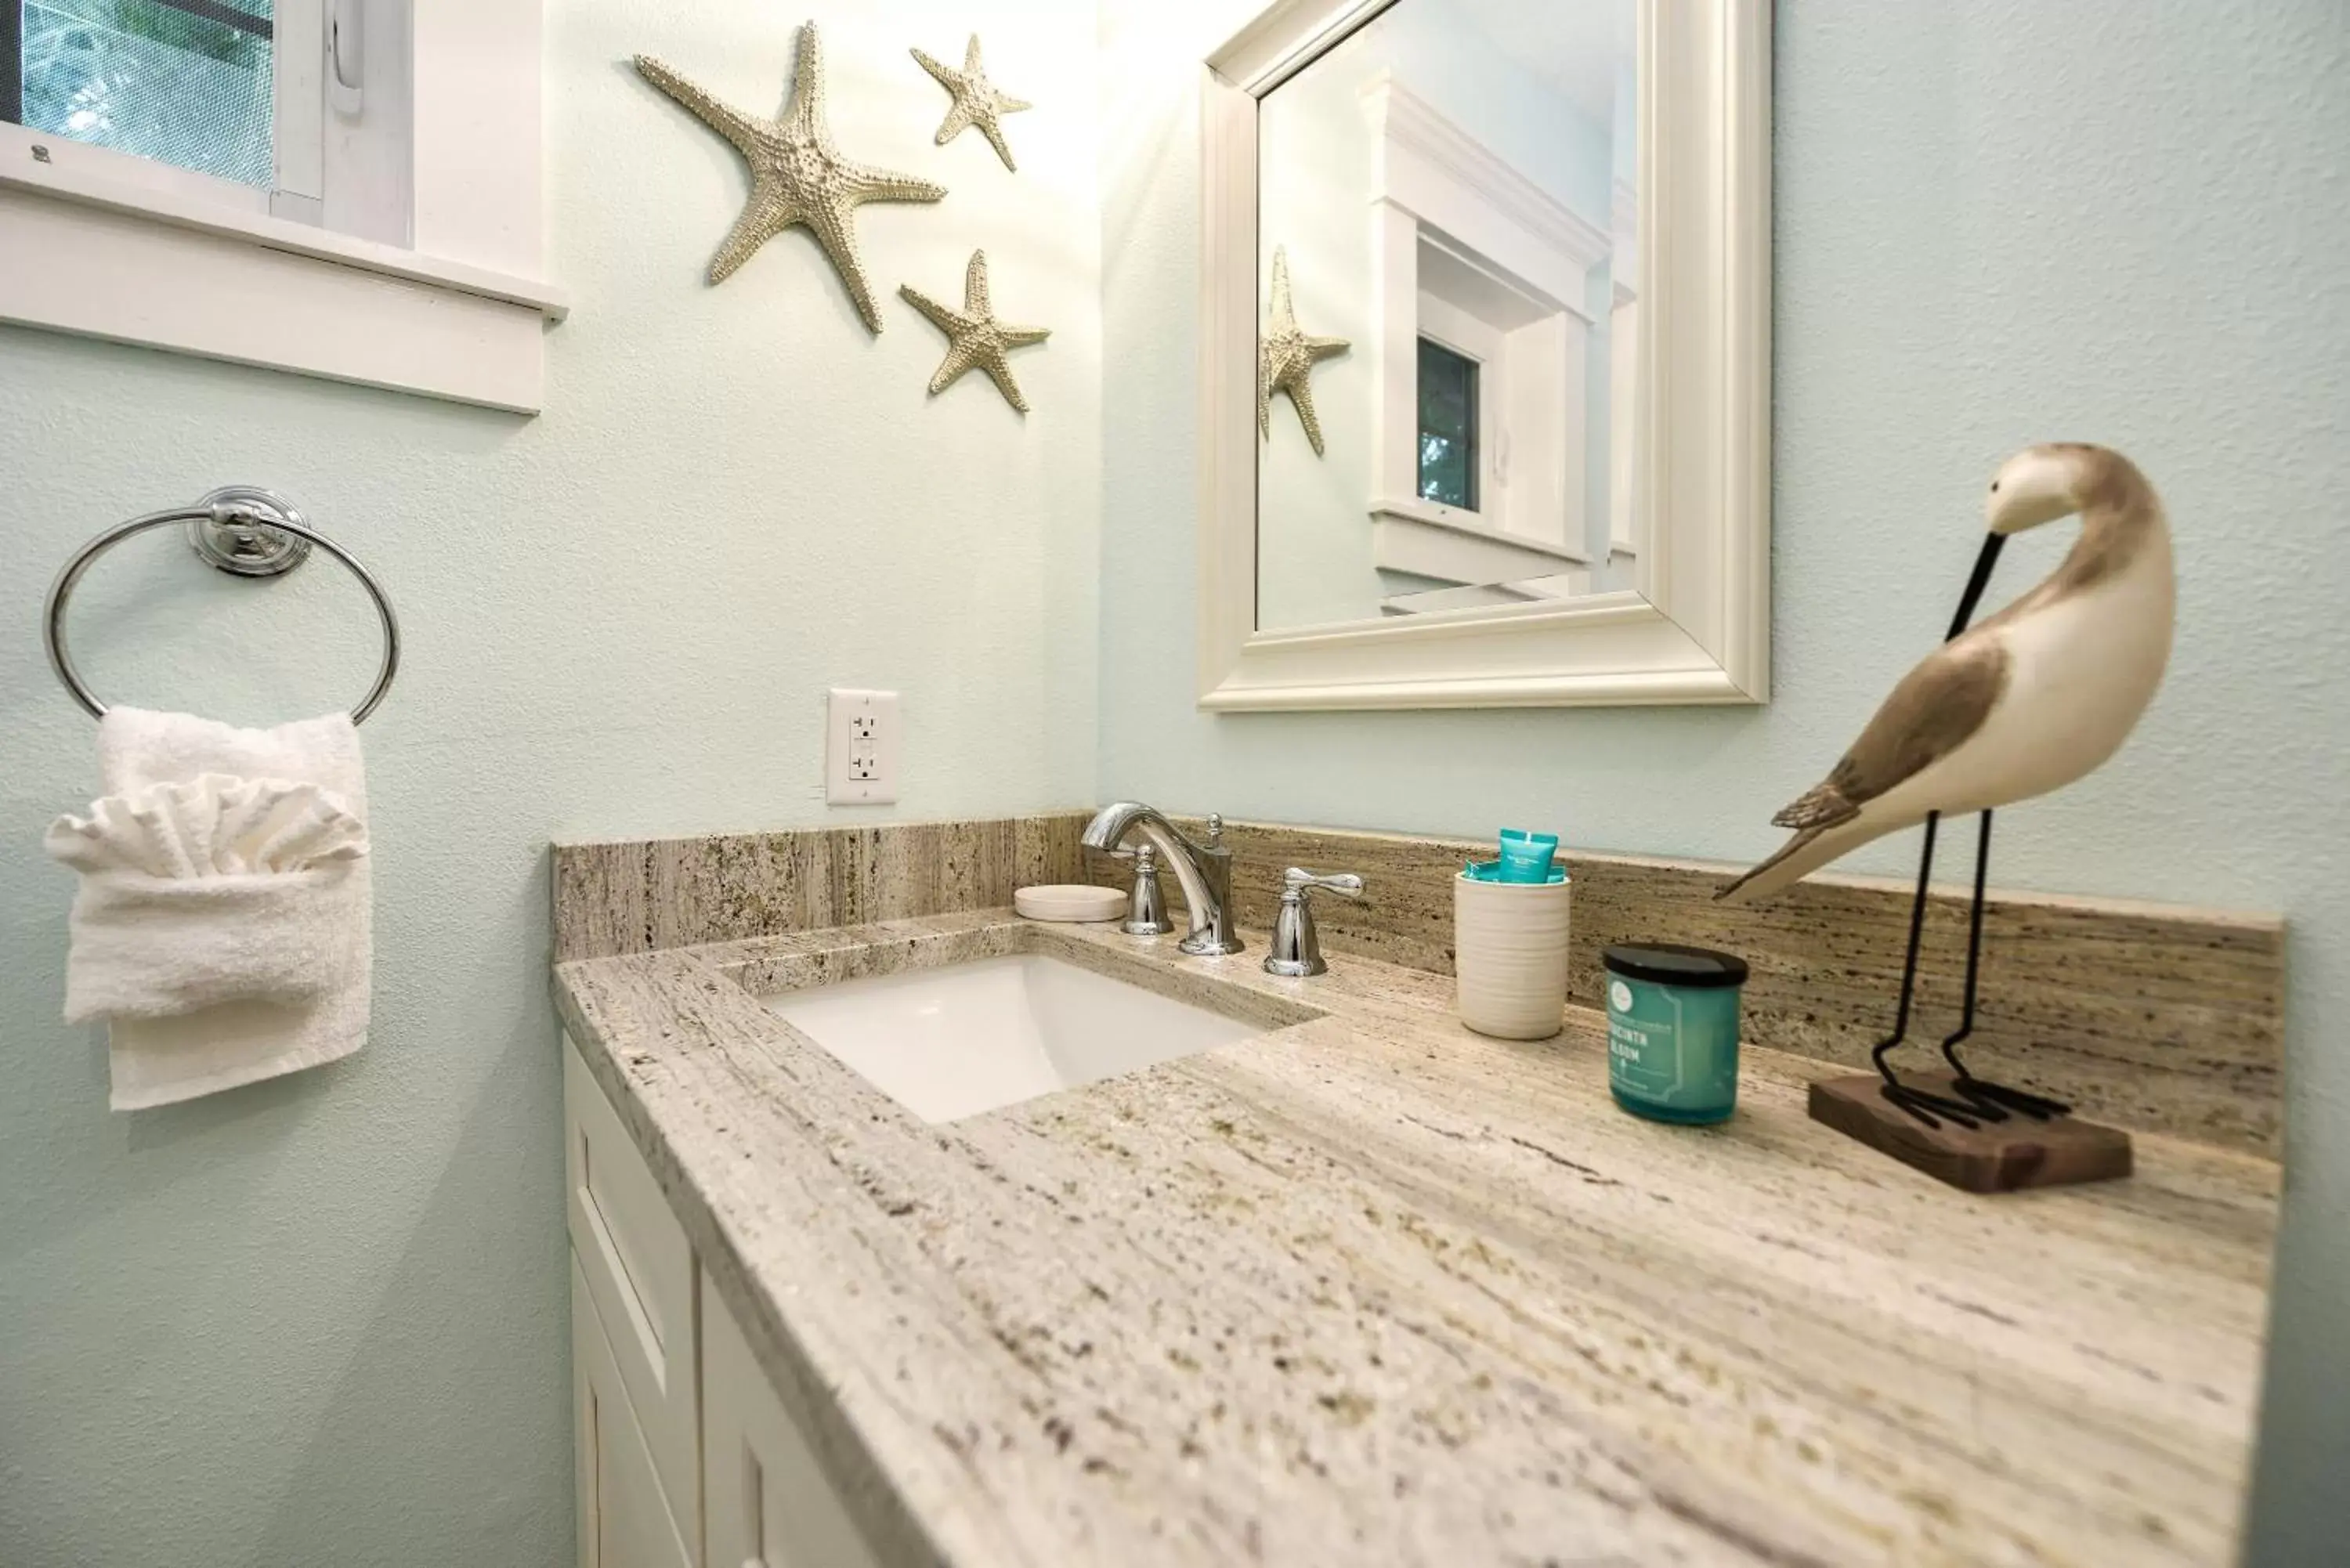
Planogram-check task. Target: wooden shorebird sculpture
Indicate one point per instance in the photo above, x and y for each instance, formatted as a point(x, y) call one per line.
point(2035, 696)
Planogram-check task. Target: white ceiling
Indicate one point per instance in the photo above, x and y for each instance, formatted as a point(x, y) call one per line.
point(1573, 43)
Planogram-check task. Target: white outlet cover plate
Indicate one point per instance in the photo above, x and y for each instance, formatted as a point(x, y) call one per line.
point(861, 747)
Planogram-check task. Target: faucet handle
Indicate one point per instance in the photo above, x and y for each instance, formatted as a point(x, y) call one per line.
point(1298, 881)
point(1296, 946)
point(1146, 909)
point(1215, 830)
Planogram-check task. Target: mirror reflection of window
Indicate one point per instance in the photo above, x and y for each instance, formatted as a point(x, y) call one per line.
point(1477, 435)
point(1448, 426)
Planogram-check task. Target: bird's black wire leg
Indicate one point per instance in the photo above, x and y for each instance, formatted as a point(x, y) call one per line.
point(1995, 1099)
point(1970, 1113)
point(1928, 1109)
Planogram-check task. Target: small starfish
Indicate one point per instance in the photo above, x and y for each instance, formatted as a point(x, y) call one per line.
point(973, 335)
point(976, 101)
point(1285, 355)
point(797, 175)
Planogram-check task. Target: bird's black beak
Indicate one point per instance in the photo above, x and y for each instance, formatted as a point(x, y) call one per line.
point(1980, 580)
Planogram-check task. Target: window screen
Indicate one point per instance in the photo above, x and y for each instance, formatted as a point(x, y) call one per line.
point(1448, 426)
point(185, 82)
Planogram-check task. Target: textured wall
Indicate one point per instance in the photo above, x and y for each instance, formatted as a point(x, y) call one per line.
point(1997, 221)
point(320, 1321)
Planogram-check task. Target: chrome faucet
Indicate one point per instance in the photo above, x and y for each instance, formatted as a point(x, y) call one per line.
point(1204, 871)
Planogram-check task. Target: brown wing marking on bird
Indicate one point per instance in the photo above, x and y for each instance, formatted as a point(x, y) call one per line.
point(1821, 805)
point(1929, 714)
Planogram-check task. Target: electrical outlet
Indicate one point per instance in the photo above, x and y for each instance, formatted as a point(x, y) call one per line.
point(860, 748)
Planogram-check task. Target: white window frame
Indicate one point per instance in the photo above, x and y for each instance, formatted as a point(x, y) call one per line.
point(95, 243)
point(1530, 401)
point(1623, 381)
point(1437, 188)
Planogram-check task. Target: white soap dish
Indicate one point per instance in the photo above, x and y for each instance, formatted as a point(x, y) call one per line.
point(1070, 902)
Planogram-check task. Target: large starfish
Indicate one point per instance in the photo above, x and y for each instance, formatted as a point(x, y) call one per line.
point(975, 337)
point(976, 101)
point(1285, 355)
point(797, 175)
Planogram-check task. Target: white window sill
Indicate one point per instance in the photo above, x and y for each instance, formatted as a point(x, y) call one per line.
point(1431, 540)
point(83, 253)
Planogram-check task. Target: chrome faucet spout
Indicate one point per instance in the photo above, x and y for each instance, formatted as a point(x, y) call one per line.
point(1204, 871)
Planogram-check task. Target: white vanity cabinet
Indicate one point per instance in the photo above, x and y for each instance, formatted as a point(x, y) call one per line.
point(764, 1498)
point(684, 1455)
point(623, 1517)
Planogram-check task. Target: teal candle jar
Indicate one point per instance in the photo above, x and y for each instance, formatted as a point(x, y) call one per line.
point(1672, 1031)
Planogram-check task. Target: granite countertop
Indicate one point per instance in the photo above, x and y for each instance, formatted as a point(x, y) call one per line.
point(1372, 1289)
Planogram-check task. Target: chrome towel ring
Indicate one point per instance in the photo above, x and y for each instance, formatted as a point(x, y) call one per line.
point(241, 529)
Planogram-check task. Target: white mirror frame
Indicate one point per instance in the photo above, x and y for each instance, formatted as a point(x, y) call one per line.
point(1697, 627)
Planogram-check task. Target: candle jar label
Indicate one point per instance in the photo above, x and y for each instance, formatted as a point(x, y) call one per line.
point(1672, 1050)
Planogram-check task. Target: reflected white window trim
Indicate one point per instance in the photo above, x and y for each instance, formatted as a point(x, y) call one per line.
point(1467, 251)
point(1428, 539)
point(103, 244)
point(1447, 179)
point(1696, 628)
point(1622, 383)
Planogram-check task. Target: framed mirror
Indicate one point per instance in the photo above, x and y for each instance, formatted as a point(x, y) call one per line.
point(1485, 339)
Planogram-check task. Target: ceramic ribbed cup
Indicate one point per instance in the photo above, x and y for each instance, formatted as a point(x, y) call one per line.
point(1508, 957)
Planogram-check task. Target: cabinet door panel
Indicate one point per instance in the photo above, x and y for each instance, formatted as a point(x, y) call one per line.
point(638, 1268)
point(623, 1518)
point(766, 1503)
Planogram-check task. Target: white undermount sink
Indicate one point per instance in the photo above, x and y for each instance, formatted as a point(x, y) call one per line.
point(961, 1039)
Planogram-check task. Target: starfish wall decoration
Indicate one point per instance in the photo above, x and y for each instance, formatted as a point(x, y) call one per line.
point(976, 101)
point(1286, 355)
point(797, 175)
point(975, 337)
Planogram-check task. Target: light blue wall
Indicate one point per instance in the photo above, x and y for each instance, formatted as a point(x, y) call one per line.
point(322, 1321)
point(1997, 221)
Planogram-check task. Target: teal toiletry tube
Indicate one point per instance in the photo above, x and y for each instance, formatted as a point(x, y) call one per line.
point(1526, 857)
point(1672, 1031)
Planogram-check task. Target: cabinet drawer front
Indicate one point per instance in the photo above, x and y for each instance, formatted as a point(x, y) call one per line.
point(625, 1520)
point(766, 1502)
point(637, 1268)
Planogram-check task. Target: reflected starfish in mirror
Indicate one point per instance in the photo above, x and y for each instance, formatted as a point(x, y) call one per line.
point(1286, 357)
point(797, 175)
point(975, 337)
point(976, 101)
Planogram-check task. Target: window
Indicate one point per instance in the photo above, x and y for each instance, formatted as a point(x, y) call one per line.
point(186, 82)
point(347, 189)
point(1448, 426)
point(264, 106)
point(1483, 286)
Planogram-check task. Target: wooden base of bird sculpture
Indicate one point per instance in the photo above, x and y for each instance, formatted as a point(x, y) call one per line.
point(1988, 1157)
point(1968, 1131)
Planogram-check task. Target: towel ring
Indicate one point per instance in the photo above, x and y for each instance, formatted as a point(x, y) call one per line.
point(240, 529)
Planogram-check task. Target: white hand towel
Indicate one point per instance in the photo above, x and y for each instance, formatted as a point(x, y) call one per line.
point(221, 928)
point(207, 891)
